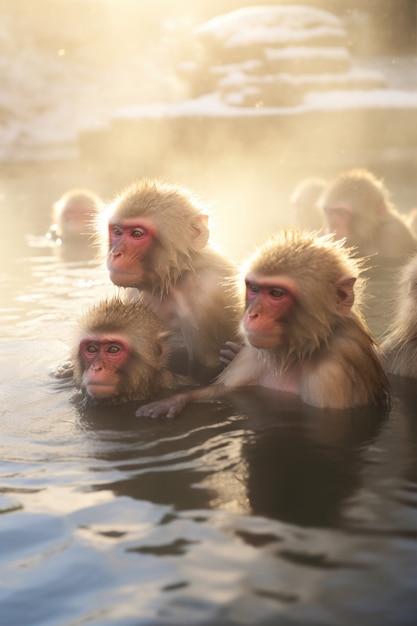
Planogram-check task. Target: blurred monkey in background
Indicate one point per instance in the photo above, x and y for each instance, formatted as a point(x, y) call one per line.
point(304, 202)
point(357, 208)
point(400, 344)
point(73, 217)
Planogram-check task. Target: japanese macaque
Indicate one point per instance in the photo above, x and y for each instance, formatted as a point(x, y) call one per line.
point(304, 202)
point(120, 353)
point(73, 216)
point(157, 242)
point(400, 344)
point(302, 329)
point(357, 208)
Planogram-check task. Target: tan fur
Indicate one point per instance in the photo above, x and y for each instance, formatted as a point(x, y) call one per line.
point(87, 201)
point(377, 226)
point(400, 343)
point(146, 374)
point(330, 360)
point(191, 285)
point(304, 201)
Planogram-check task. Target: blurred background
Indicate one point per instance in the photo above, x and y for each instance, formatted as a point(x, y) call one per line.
point(100, 92)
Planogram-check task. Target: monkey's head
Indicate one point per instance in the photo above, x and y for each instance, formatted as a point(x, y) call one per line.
point(119, 352)
point(74, 213)
point(154, 232)
point(304, 200)
point(354, 204)
point(298, 287)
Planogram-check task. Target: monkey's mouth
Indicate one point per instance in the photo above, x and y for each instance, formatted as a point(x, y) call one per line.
point(114, 270)
point(101, 390)
point(263, 340)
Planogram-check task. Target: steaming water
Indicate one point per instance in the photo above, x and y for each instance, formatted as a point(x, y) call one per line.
point(255, 511)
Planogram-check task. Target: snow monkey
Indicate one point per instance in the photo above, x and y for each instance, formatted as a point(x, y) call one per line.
point(73, 216)
point(302, 329)
point(120, 353)
point(357, 207)
point(400, 344)
point(304, 202)
point(157, 241)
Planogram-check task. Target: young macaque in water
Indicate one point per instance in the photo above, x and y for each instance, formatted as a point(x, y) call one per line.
point(400, 345)
point(120, 353)
point(357, 208)
point(73, 217)
point(302, 330)
point(304, 202)
point(157, 242)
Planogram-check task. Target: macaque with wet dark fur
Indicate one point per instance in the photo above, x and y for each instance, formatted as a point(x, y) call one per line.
point(73, 216)
point(302, 329)
point(400, 344)
point(357, 208)
point(157, 242)
point(120, 353)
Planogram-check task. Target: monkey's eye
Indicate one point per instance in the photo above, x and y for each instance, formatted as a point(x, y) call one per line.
point(113, 349)
point(116, 230)
point(338, 211)
point(341, 212)
point(277, 292)
point(137, 233)
point(252, 288)
point(91, 348)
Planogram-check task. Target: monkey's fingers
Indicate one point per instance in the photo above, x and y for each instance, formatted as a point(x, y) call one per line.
point(229, 351)
point(65, 370)
point(171, 407)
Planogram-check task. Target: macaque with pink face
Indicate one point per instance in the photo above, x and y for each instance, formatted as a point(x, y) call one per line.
point(303, 331)
point(73, 216)
point(357, 208)
point(120, 353)
point(156, 240)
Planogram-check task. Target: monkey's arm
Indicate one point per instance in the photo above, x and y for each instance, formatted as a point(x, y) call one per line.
point(173, 405)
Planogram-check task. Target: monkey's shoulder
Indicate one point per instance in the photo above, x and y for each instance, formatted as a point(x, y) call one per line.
point(400, 358)
point(395, 238)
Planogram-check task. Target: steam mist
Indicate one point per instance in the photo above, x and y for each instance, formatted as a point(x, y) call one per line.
point(119, 90)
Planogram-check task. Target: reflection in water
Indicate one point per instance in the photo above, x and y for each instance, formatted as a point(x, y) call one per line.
point(297, 465)
point(258, 510)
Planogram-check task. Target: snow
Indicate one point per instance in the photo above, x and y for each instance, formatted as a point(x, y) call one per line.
point(260, 18)
point(210, 105)
point(47, 99)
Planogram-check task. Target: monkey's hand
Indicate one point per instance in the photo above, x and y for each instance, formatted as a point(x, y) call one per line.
point(169, 407)
point(65, 370)
point(172, 406)
point(228, 352)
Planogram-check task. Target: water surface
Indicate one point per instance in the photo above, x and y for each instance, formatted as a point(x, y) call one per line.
point(257, 510)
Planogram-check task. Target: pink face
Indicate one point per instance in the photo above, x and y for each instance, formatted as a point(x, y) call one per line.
point(75, 219)
point(102, 358)
point(339, 219)
point(269, 302)
point(130, 242)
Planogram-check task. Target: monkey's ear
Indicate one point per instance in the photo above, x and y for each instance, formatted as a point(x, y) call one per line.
point(200, 232)
point(345, 294)
point(162, 348)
